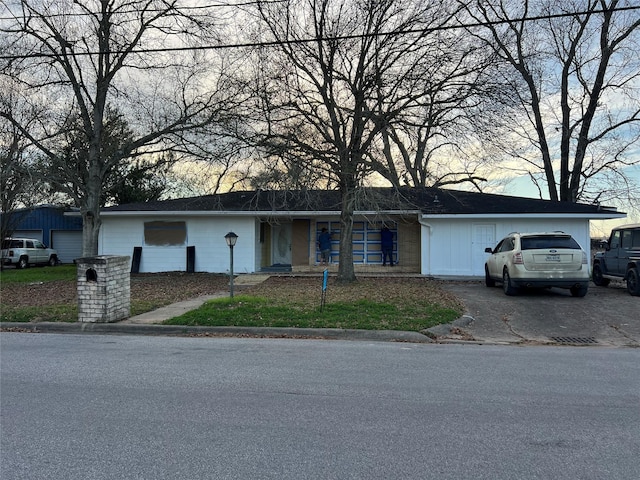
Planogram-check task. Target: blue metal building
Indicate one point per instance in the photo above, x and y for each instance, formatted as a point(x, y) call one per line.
point(50, 225)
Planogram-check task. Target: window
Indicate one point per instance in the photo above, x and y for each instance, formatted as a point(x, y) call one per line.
point(11, 244)
point(549, 241)
point(507, 245)
point(365, 240)
point(163, 234)
point(615, 239)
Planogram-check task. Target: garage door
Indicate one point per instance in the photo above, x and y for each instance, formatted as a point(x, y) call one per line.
point(37, 234)
point(68, 245)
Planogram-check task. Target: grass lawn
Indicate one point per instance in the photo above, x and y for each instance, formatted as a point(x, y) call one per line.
point(409, 304)
point(381, 303)
point(38, 274)
point(22, 293)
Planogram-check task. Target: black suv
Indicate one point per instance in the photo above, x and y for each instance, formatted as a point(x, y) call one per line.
point(620, 259)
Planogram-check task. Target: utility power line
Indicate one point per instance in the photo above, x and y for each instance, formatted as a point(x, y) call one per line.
point(272, 43)
point(157, 10)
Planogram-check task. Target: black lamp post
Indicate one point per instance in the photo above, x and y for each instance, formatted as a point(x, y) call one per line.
point(231, 239)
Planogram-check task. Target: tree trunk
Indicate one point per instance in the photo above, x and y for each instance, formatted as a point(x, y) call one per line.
point(91, 222)
point(90, 230)
point(346, 271)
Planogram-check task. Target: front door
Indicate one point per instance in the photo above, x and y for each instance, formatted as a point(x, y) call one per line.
point(484, 235)
point(281, 244)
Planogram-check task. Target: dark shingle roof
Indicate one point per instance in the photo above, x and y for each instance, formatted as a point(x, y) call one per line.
point(424, 200)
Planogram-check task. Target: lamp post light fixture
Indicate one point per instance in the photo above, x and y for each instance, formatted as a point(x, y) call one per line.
point(231, 239)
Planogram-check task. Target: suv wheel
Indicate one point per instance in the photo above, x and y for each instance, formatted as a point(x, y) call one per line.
point(597, 277)
point(633, 282)
point(23, 262)
point(506, 284)
point(488, 281)
point(53, 261)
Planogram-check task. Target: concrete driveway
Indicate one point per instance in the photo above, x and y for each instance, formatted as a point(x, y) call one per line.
point(605, 316)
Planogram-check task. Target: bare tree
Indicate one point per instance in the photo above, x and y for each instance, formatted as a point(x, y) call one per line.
point(338, 76)
point(19, 188)
point(579, 75)
point(430, 142)
point(88, 56)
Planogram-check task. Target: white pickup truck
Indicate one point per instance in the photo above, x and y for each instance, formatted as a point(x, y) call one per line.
point(23, 252)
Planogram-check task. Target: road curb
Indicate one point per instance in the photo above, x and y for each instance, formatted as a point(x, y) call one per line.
point(180, 330)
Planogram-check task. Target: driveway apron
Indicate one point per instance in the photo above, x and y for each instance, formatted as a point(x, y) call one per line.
point(605, 316)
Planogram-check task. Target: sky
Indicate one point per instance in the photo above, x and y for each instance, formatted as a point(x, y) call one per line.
point(522, 187)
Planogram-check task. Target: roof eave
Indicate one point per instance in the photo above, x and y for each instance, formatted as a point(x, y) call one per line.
point(592, 216)
point(253, 213)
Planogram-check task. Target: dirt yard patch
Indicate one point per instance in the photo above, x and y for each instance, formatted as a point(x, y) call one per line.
point(157, 289)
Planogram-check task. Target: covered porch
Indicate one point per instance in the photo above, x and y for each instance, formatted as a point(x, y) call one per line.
point(291, 246)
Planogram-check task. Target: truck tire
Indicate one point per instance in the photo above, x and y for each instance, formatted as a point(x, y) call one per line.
point(23, 263)
point(597, 277)
point(633, 282)
point(53, 261)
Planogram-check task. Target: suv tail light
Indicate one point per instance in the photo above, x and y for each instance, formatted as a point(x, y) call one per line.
point(584, 258)
point(517, 258)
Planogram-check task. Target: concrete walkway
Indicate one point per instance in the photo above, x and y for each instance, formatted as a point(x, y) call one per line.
point(159, 315)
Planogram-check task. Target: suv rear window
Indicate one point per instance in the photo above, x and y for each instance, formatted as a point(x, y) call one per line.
point(546, 241)
point(6, 244)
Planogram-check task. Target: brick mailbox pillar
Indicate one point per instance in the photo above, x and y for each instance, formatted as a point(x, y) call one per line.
point(104, 288)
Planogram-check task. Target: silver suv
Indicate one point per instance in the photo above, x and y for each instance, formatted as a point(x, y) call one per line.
point(23, 252)
point(542, 260)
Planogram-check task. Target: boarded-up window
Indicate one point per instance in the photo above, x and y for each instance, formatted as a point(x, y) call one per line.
point(165, 233)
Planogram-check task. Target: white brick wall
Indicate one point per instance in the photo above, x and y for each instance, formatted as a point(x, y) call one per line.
point(104, 288)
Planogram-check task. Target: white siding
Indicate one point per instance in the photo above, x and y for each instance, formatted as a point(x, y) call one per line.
point(118, 236)
point(448, 247)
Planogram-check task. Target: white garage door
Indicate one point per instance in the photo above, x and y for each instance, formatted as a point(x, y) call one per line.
point(68, 245)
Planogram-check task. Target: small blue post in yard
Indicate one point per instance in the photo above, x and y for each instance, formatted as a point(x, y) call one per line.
point(231, 239)
point(325, 279)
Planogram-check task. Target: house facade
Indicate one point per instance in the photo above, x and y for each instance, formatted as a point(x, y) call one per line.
point(436, 232)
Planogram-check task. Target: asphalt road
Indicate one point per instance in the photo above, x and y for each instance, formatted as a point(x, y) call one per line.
point(154, 407)
point(605, 316)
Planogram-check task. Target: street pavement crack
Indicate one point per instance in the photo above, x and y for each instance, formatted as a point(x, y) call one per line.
point(506, 321)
